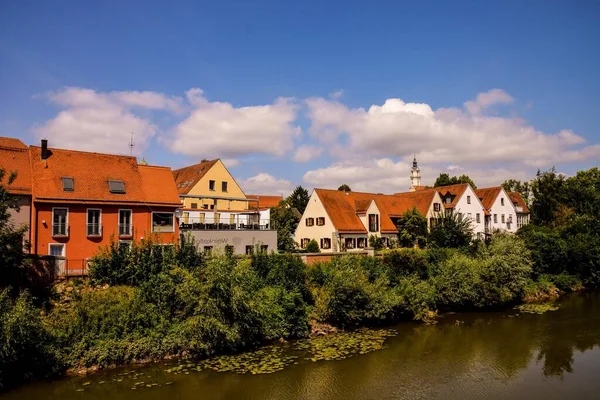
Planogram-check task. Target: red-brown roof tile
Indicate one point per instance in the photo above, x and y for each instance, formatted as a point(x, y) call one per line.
point(488, 195)
point(264, 201)
point(12, 143)
point(518, 199)
point(91, 173)
point(455, 190)
point(187, 177)
point(16, 159)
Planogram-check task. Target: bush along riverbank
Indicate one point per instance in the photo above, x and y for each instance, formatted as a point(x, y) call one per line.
point(156, 302)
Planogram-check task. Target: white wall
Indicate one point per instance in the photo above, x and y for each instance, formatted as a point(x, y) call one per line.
point(463, 206)
point(314, 209)
point(509, 211)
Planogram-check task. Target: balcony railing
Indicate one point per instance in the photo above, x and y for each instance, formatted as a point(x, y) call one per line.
point(125, 229)
point(60, 229)
point(225, 224)
point(94, 230)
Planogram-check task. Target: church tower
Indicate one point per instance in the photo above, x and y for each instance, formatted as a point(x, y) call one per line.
point(415, 175)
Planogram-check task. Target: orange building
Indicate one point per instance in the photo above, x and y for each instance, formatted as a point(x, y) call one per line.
point(82, 200)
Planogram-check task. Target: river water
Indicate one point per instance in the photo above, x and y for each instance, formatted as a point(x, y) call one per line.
point(501, 355)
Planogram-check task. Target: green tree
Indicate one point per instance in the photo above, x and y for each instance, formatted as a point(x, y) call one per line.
point(445, 180)
point(298, 199)
point(451, 230)
point(345, 188)
point(285, 220)
point(582, 192)
point(412, 228)
point(548, 196)
point(524, 188)
point(313, 247)
point(12, 269)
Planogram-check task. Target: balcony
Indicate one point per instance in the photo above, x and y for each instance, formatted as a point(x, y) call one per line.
point(197, 225)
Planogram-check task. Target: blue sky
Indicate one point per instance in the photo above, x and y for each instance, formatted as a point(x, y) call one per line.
point(305, 93)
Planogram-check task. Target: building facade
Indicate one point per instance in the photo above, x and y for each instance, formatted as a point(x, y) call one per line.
point(501, 214)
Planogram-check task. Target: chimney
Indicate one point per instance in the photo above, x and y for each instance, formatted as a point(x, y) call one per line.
point(44, 149)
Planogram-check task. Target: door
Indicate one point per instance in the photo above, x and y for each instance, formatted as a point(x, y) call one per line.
point(57, 250)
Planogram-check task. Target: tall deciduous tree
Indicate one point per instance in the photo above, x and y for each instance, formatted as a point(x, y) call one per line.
point(452, 230)
point(582, 192)
point(548, 196)
point(345, 188)
point(298, 199)
point(445, 180)
point(412, 228)
point(285, 219)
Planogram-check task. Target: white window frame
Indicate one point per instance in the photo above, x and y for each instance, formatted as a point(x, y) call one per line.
point(130, 233)
point(66, 221)
point(64, 249)
point(87, 210)
point(161, 230)
point(129, 243)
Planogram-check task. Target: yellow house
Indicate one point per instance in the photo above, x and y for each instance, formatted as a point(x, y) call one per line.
point(208, 185)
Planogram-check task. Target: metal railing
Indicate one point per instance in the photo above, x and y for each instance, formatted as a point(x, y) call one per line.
point(225, 223)
point(125, 229)
point(94, 229)
point(60, 229)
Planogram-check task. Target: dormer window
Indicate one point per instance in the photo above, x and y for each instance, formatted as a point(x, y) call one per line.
point(68, 184)
point(448, 200)
point(501, 201)
point(116, 186)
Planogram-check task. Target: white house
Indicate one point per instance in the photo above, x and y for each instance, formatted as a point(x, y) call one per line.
point(502, 209)
point(462, 199)
point(340, 220)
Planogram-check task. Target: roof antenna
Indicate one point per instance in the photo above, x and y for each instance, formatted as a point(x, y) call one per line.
point(131, 144)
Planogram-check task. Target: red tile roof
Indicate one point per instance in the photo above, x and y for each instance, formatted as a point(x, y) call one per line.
point(148, 185)
point(517, 198)
point(343, 207)
point(14, 157)
point(455, 190)
point(488, 195)
point(264, 201)
point(187, 177)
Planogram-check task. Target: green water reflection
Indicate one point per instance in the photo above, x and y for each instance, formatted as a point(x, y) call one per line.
point(554, 355)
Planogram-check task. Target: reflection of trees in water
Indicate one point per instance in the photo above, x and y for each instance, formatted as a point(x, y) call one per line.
point(578, 330)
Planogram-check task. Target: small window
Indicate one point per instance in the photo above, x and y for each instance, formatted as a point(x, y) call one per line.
point(350, 243)
point(60, 221)
point(361, 243)
point(495, 218)
point(264, 248)
point(125, 226)
point(478, 218)
point(310, 221)
point(194, 205)
point(468, 199)
point(448, 200)
point(502, 201)
point(116, 186)
point(373, 222)
point(304, 242)
point(320, 221)
point(208, 249)
point(211, 185)
point(212, 206)
point(94, 226)
point(125, 245)
point(68, 184)
point(229, 249)
point(469, 215)
point(249, 249)
point(162, 222)
point(326, 243)
point(205, 206)
point(224, 186)
point(503, 218)
point(437, 207)
point(56, 249)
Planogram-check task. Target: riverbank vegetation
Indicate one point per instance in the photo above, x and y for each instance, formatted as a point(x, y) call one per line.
point(153, 302)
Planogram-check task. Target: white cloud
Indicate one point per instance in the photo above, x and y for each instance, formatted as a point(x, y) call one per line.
point(454, 168)
point(266, 184)
point(488, 99)
point(446, 135)
point(221, 129)
point(306, 153)
point(337, 94)
point(377, 175)
point(103, 122)
point(231, 162)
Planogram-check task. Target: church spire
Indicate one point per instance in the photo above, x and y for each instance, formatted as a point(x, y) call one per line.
point(415, 175)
